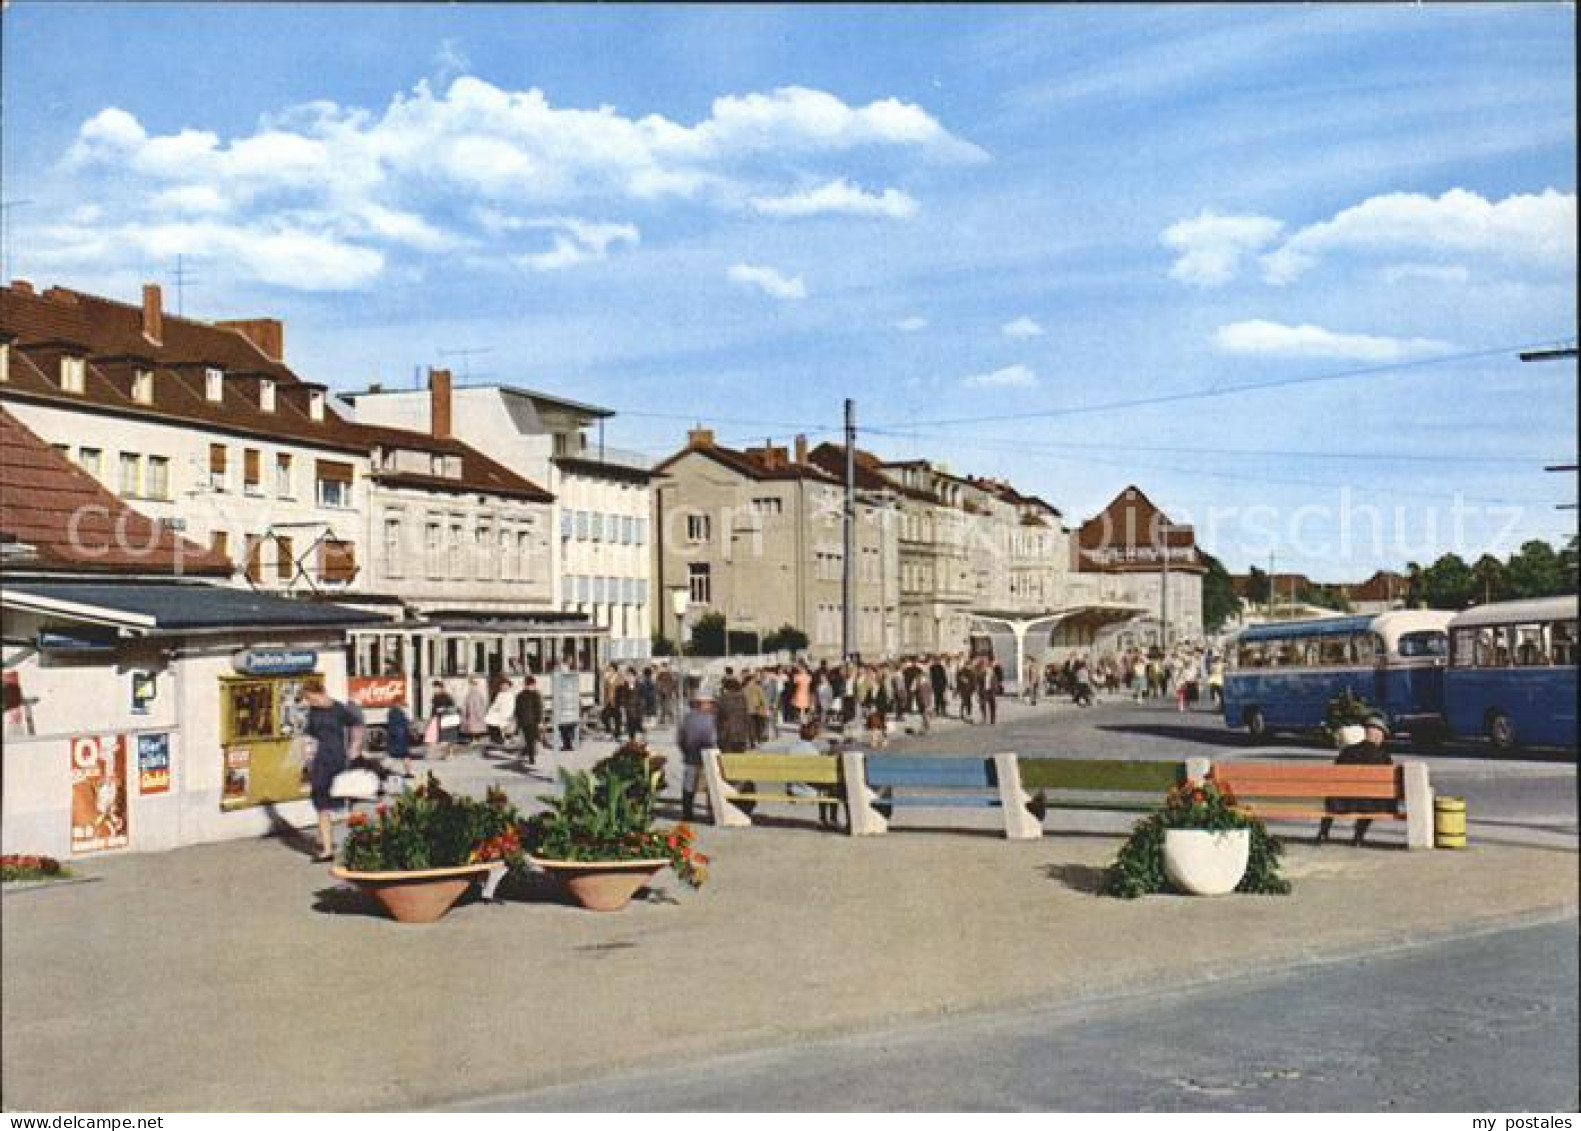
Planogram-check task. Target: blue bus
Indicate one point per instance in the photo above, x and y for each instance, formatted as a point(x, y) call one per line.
point(1282, 675)
point(1512, 673)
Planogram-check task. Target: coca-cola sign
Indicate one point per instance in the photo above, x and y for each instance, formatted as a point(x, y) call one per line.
point(377, 691)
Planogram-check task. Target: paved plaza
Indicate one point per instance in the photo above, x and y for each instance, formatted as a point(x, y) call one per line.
point(296, 993)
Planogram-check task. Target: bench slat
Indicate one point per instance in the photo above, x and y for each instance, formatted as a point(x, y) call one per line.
point(940, 801)
point(1264, 771)
point(787, 798)
point(814, 769)
point(1101, 774)
point(1282, 813)
point(972, 773)
point(1364, 790)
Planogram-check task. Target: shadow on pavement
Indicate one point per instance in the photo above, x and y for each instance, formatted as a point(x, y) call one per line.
point(1087, 878)
point(289, 835)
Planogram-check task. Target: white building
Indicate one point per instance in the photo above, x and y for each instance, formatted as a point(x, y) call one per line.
point(601, 547)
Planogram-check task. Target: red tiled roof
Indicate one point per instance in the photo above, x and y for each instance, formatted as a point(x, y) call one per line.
point(754, 463)
point(109, 334)
point(1120, 538)
point(73, 523)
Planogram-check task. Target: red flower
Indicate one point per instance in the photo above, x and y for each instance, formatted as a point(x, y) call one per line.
point(357, 820)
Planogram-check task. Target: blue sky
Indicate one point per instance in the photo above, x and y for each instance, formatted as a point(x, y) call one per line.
point(1077, 231)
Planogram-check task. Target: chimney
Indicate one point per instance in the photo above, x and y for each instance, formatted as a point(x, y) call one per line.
point(801, 449)
point(22, 286)
point(700, 437)
point(439, 403)
point(153, 314)
point(268, 334)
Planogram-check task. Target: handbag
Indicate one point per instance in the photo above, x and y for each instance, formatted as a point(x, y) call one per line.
point(355, 785)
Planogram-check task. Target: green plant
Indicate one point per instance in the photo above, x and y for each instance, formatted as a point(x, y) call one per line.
point(30, 869)
point(1138, 869)
point(1344, 709)
point(430, 827)
point(662, 645)
point(607, 815)
point(786, 638)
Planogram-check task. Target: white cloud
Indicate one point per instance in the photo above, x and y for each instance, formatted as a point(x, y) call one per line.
point(1010, 377)
point(1022, 327)
point(839, 196)
point(575, 241)
point(1529, 229)
point(409, 175)
point(1274, 339)
point(768, 280)
point(912, 325)
point(1428, 272)
point(1211, 246)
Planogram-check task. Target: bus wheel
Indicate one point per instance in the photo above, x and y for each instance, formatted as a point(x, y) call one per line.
point(1501, 731)
point(1256, 726)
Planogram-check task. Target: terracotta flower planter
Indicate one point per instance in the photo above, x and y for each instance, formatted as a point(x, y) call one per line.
point(418, 896)
point(602, 885)
point(1200, 862)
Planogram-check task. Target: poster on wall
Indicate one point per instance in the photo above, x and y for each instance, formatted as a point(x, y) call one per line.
point(18, 714)
point(153, 764)
point(238, 774)
point(98, 793)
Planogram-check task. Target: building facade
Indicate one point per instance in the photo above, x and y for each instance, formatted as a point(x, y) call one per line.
point(1135, 555)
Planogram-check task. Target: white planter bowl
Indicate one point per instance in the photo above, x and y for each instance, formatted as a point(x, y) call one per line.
point(1200, 862)
point(1349, 735)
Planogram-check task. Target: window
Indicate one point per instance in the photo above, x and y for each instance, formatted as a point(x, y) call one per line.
point(583, 590)
point(252, 471)
point(334, 484)
point(214, 385)
point(131, 474)
point(483, 541)
point(219, 467)
point(337, 561)
point(392, 547)
point(284, 476)
point(458, 546)
point(567, 524)
point(1564, 642)
point(697, 527)
point(641, 536)
point(5, 361)
point(156, 478)
point(581, 526)
point(700, 581)
point(315, 405)
point(284, 560)
point(568, 590)
point(769, 505)
point(524, 555)
point(1530, 650)
point(507, 556)
point(435, 547)
point(143, 386)
point(266, 395)
point(91, 460)
point(73, 374)
point(1416, 644)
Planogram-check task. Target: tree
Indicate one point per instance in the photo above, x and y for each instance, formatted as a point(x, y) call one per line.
point(1488, 572)
point(663, 645)
point(708, 636)
point(1415, 598)
point(786, 638)
point(1219, 602)
point(1569, 561)
point(1448, 583)
point(1537, 571)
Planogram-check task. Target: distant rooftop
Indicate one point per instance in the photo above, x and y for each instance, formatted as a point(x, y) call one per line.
point(563, 404)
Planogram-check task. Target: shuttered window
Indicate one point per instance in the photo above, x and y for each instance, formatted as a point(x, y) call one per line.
point(219, 466)
point(252, 469)
point(337, 561)
point(285, 560)
point(334, 483)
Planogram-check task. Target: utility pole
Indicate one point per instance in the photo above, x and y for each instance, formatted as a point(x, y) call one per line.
point(1163, 632)
point(1271, 588)
point(848, 574)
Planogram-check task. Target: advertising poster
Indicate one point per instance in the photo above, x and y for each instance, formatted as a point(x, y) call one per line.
point(238, 774)
point(98, 793)
point(377, 691)
point(153, 764)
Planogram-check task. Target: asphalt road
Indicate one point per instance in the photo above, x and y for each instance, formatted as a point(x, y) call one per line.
point(1480, 1024)
point(1529, 799)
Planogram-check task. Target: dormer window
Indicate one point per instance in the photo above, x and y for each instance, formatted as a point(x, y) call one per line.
point(266, 395)
point(315, 405)
point(143, 386)
point(73, 374)
point(214, 385)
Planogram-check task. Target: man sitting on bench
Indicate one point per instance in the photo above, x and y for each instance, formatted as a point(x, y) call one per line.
point(1368, 752)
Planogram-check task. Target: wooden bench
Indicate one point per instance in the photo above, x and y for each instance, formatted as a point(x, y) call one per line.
point(722, 771)
point(878, 785)
point(1284, 791)
point(1104, 784)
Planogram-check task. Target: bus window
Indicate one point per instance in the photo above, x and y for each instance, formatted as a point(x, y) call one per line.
point(1292, 654)
point(452, 665)
point(1334, 651)
point(1564, 642)
point(1529, 649)
point(1367, 647)
point(1489, 649)
point(1249, 655)
point(1415, 645)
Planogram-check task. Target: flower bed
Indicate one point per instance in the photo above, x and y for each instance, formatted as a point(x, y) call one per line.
point(18, 869)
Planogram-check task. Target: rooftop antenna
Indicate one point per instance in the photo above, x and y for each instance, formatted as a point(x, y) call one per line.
point(466, 356)
point(5, 235)
point(182, 277)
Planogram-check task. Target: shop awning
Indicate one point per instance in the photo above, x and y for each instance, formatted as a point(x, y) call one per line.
point(159, 608)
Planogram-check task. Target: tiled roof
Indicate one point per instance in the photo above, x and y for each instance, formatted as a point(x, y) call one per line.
point(167, 606)
point(752, 463)
point(1131, 523)
point(109, 334)
point(72, 523)
point(831, 458)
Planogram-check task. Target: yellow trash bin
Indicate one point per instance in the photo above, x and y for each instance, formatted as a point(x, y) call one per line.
point(1449, 822)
